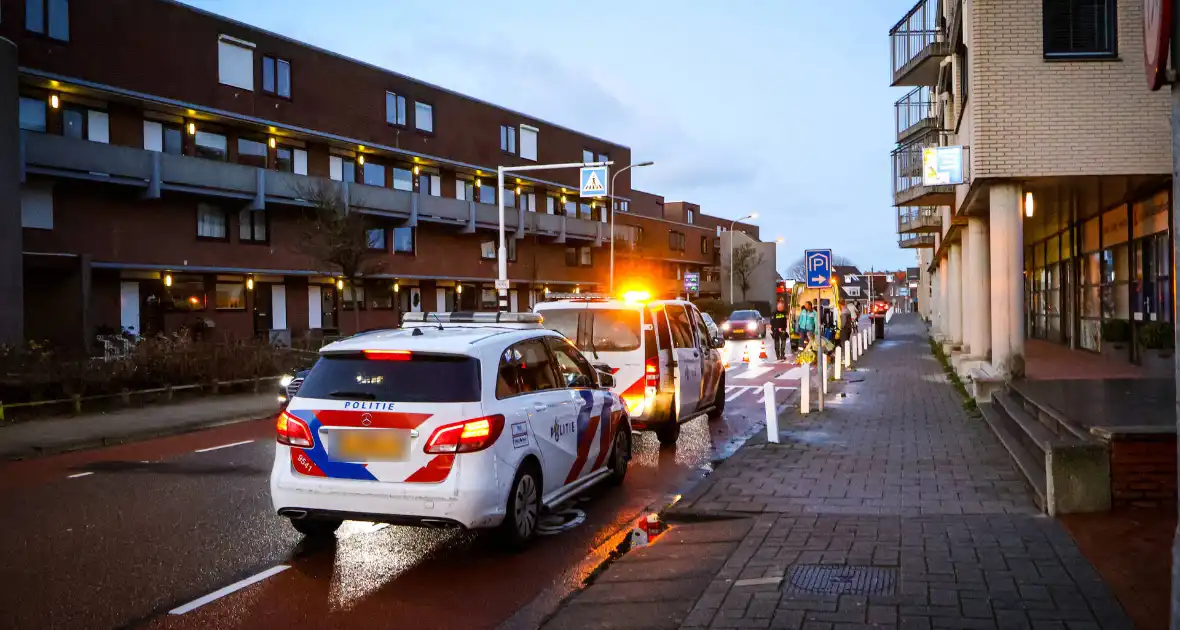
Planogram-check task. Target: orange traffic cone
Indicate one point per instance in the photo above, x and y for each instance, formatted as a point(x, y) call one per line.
point(762, 353)
point(746, 354)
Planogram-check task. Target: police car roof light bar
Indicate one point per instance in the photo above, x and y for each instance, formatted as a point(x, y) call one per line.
point(470, 317)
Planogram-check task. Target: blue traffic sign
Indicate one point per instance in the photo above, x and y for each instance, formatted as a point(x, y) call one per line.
point(819, 268)
point(593, 181)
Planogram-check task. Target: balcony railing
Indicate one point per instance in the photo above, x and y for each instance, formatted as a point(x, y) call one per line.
point(153, 172)
point(917, 45)
point(916, 112)
point(919, 219)
point(908, 189)
point(915, 241)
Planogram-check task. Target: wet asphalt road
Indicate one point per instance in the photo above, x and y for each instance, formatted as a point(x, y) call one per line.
point(156, 525)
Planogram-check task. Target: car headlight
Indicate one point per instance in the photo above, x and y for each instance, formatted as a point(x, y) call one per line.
point(753, 325)
point(725, 326)
point(286, 380)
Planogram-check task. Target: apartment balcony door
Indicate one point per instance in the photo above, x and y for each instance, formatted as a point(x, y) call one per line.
point(263, 311)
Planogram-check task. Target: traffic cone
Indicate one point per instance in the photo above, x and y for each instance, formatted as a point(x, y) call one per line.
point(762, 353)
point(746, 354)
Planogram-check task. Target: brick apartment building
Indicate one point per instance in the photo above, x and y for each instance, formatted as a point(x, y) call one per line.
point(1062, 221)
point(165, 155)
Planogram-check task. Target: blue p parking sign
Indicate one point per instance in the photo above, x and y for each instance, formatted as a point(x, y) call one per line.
point(819, 268)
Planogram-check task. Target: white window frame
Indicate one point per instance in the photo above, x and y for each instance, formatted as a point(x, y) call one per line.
point(153, 136)
point(235, 62)
point(418, 107)
point(98, 126)
point(399, 109)
point(204, 210)
point(526, 142)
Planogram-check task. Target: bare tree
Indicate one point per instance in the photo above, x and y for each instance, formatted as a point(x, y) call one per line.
point(336, 237)
point(745, 259)
point(798, 269)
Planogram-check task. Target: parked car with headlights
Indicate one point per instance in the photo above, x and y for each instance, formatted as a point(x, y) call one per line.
point(744, 324)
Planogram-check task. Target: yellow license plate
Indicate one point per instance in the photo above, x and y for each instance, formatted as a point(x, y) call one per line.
point(369, 445)
point(739, 330)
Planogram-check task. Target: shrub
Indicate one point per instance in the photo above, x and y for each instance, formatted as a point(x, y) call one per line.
point(1157, 336)
point(1116, 330)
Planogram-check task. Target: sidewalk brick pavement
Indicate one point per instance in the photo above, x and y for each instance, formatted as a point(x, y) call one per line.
point(894, 508)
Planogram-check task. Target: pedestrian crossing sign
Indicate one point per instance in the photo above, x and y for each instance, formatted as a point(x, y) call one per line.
point(594, 181)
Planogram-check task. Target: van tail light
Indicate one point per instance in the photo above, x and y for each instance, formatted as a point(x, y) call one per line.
point(467, 436)
point(651, 372)
point(292, 431)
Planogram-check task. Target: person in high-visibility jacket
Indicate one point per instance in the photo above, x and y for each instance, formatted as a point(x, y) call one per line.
point(778, 330)
point(806, 324)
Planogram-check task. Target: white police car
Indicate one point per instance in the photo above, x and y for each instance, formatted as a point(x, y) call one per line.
point(472, 420)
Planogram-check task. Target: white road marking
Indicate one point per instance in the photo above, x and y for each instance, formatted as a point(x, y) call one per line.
point(76, 475)
point(753, 372)
point(741, 389)
point(236, 586)
point(758, 581)
point(762, 397)
point(214, 448)
point(793, 374)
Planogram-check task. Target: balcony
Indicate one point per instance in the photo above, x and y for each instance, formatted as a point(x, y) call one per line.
point(915, 241)
point(153, 172)
point(918, 45)
point(917, 113)
point(909, 188)
point(911, 220)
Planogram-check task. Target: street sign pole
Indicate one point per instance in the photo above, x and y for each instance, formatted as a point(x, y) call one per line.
point(819, 276)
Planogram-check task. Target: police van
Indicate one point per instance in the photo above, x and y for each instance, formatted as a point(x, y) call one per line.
point(667, 364)
point(477, 421)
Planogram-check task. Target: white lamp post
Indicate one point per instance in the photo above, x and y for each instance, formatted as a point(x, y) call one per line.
point(611, 204)
point(731, 225)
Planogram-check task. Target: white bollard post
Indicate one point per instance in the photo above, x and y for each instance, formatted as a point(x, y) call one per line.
point(823, 376)
point(771, 413)
point(805, 391)
point(847, 354)
point(837, 364)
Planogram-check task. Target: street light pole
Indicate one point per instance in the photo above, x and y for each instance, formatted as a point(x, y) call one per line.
point(502, 254)
point(611, 204)
point(731, 225)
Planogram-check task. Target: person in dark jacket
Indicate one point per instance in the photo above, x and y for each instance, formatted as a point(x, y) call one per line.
point(778, 330)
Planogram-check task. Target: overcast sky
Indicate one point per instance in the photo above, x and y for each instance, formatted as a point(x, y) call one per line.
point(781, 107)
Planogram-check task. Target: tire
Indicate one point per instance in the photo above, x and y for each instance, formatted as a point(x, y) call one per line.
point(523, 511)
point(668, 433)
point(620, 456)
point(718, 401)
point(316, 528)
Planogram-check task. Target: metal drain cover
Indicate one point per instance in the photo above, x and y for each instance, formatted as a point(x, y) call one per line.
point(835, 579)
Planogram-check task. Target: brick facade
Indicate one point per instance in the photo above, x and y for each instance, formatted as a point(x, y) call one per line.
point(1143, 472)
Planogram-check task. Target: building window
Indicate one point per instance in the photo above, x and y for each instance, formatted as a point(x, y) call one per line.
point(508, 139)
point(1080, 28)
point(704, 244)
point(587, 256)
point(571, 209)
point(160, 137)
point(187, 294)
point(676, 241)
point(487, 249)
point(403, 179)
point(550, 205)
point(284, 160)
point(689, 216)
point(395, 109)
point(342, 169)
point(230, 296)
point(424, 116)
point(430, 184)
point(379, 296)
point(374, 174)
point(487, 194)
point(585, 211)
point(509, 198)
point(32, 114)
point(587, 155)
point(55, 13)
point(252, 226)
point(528, 142)
point(403, 240)
point(210, 146)
point(464, 190)
point(73, 123)
point(375, 238)
point(602, 157)
point(252, 152)
point(235, 62)
point(622, 206)
point(211, 222)
point(571, 257)
point(276, 76)
point(354, 297)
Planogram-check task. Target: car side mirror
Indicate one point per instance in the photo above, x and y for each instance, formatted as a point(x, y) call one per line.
point(606, 380)
point(718, 342)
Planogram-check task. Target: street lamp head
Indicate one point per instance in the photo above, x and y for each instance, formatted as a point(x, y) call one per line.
point(647, 163)
point(780, 240)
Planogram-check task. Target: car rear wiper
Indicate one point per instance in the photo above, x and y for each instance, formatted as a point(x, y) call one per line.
point(351, 394)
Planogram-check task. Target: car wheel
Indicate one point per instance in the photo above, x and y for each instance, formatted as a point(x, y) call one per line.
point(718, 401)
point(668, 433)
point(620, 455)
point(316, 527)
point(523, 511)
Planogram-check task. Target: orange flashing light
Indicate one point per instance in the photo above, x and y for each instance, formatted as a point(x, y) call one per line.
point(637, 296)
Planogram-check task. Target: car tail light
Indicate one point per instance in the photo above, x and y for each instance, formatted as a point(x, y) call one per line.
point(292, 431)
point(651, 372)
point(467, 436)
point(388, 355)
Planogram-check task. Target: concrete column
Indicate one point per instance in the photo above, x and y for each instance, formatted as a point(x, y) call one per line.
point(977, 300)
point(954, 293)
point(944, 320)
point(965, 282)
point(12, 315)
point(1007, 279)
